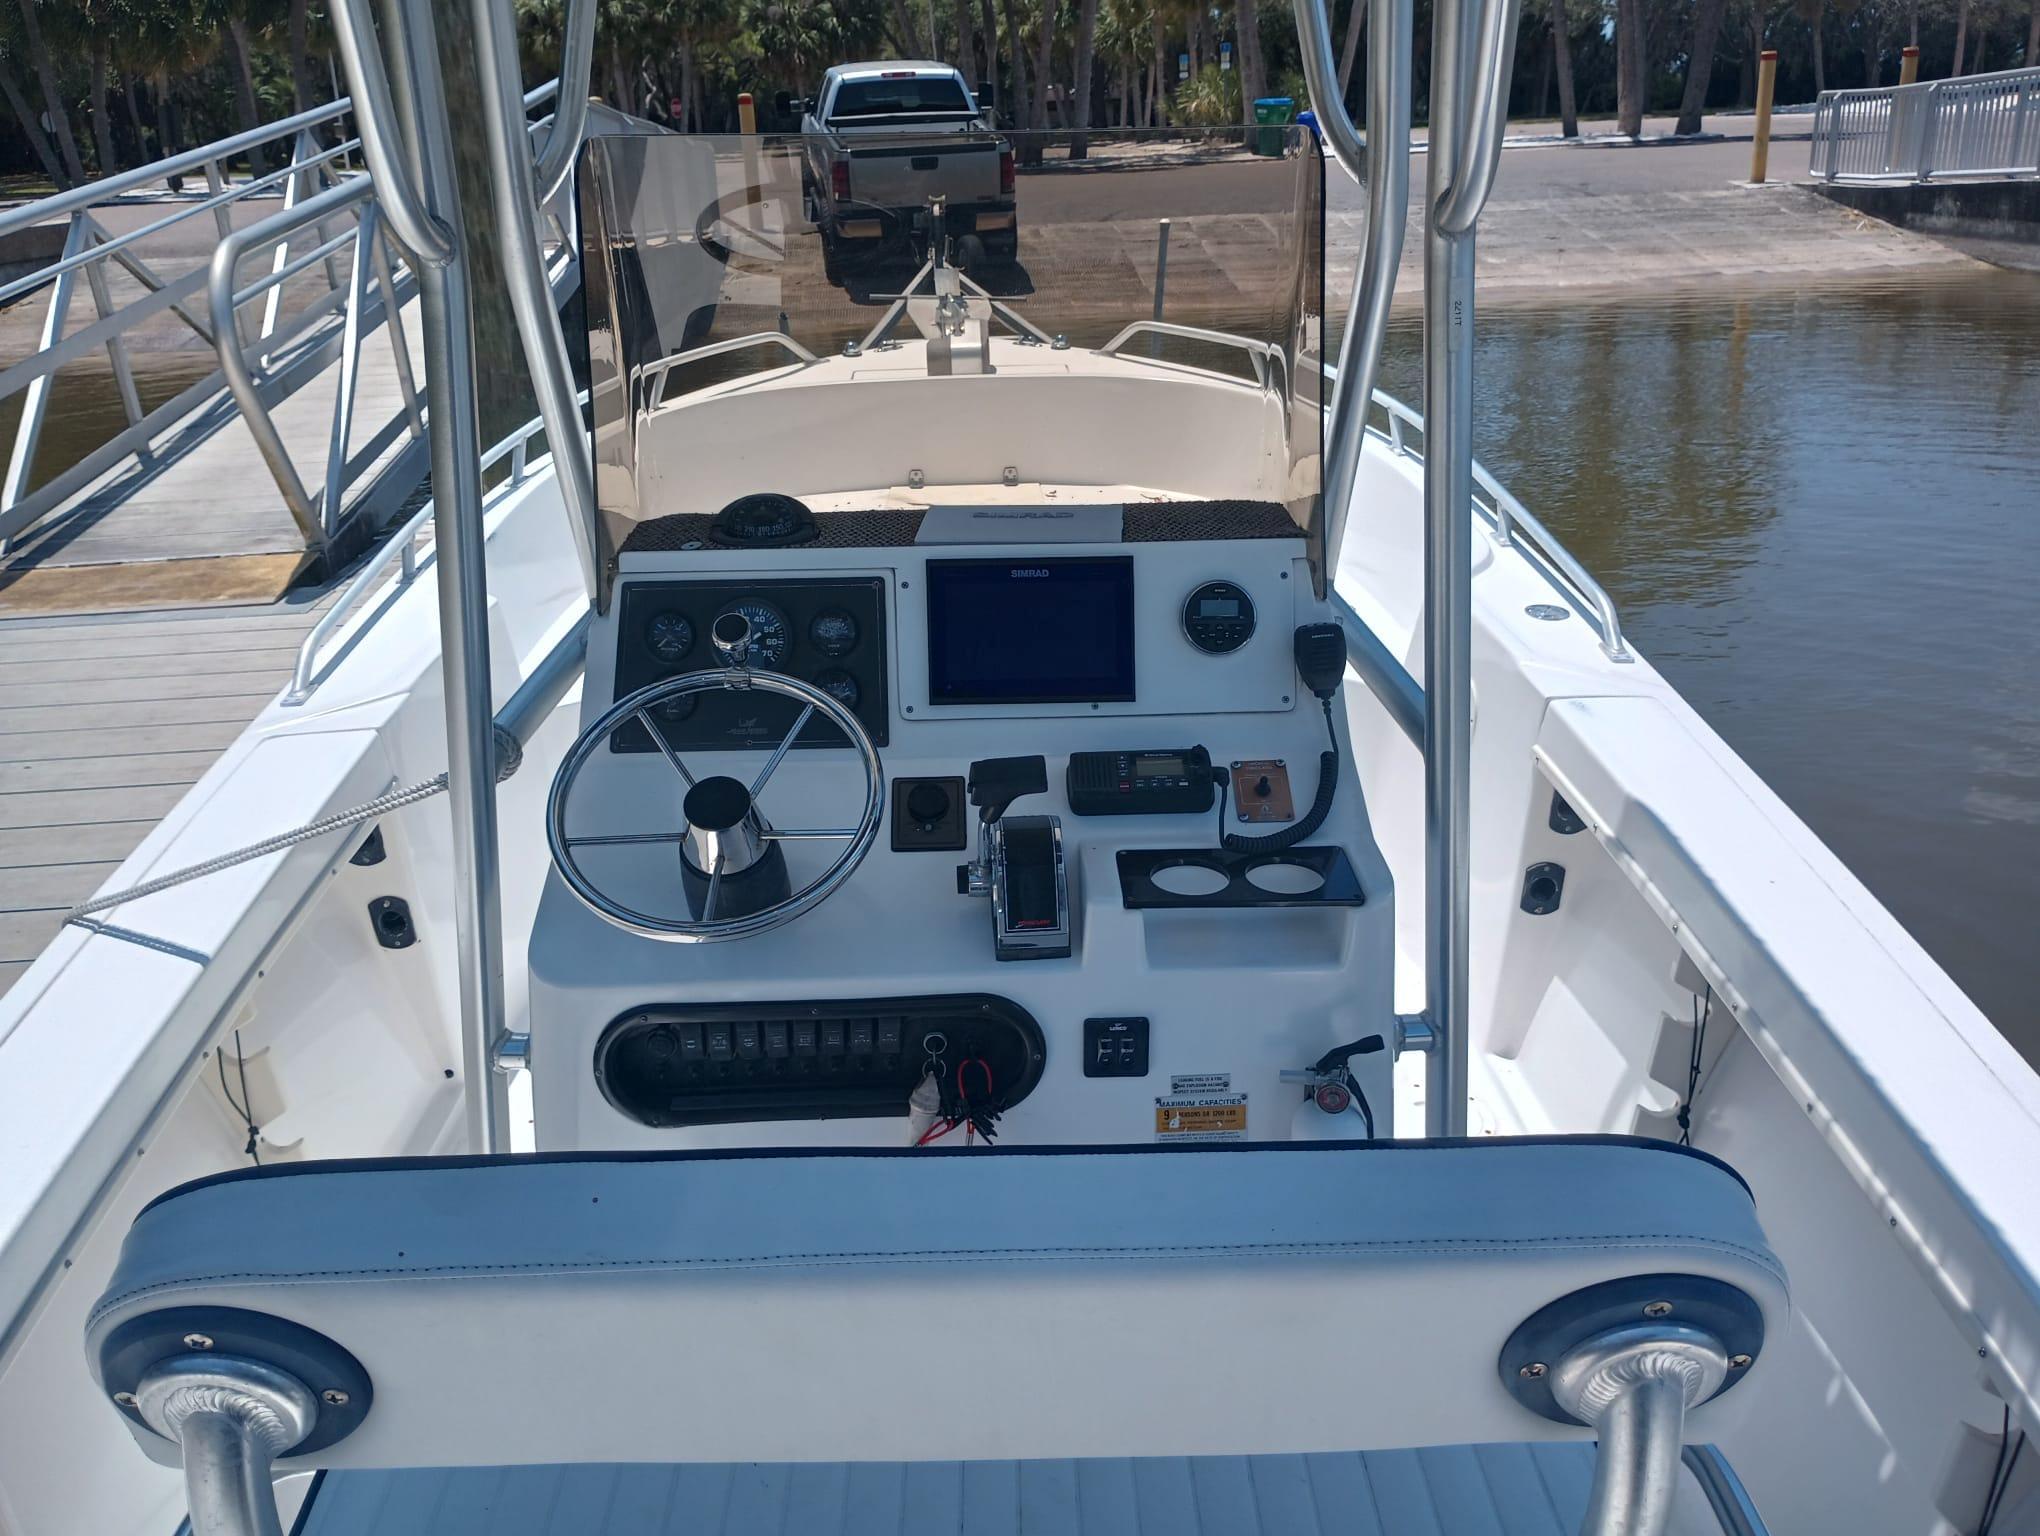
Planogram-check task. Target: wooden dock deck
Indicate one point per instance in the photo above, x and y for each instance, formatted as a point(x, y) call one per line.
point(203, 520)
point(105, 721)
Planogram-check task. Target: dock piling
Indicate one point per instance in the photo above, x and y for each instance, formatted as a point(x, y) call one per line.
point(1767, 80)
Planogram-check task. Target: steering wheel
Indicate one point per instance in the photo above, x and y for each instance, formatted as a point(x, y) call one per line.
point(725, 835)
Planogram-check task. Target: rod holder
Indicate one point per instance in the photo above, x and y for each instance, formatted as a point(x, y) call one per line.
point(1633, 1385)
point(231, 1417)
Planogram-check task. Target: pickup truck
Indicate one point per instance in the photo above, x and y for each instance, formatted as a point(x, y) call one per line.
point(879, 140)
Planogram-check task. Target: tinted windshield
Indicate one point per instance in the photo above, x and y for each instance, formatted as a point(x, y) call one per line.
point(709, 259)
point(896, 96)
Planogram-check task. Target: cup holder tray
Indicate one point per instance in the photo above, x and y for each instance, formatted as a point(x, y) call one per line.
point(1202, 878)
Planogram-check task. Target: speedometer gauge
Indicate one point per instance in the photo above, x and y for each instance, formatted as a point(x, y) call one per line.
point(768, 632)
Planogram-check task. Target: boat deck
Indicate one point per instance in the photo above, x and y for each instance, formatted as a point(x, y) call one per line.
point(1486, 1490)
point(105, 721)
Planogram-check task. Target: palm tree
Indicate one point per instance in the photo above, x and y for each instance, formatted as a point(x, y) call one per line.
point(1561, 49)
point(1813, 13)
point(31, 125)
point(53, 96)
point(1700, 63)
point(1629, 67)
point(1080, 74)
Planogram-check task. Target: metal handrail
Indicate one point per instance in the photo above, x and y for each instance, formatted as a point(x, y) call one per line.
point(1263, 353)
point(1509, 519)
point(1976, 125)
point(316, 521)
point(107, 188)
point(401, 551)
point(316, 186)
point(653, 378)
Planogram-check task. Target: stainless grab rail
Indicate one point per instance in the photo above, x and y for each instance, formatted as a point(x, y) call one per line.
point(427, 240)
point(1263, 354)
point(401, 551)
point(1385, 676)
point(653, 378)
point(507, 131)
point(1471, 45)
point(1387, 149)
point(1508, 519)
point(570, 115)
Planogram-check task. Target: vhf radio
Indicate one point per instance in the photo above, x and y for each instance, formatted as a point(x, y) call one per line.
point(1171, 782)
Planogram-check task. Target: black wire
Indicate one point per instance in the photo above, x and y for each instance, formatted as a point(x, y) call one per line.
point(241, 1109)
point(2001, 1473)
point(1700, 1017)
point(1997, 1469)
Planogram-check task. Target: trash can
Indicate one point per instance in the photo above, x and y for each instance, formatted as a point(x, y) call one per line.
point(1271, 115)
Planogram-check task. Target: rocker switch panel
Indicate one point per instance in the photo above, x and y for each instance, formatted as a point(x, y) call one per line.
point(1116, 1047)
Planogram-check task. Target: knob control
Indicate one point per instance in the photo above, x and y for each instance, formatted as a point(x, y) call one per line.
point(927, 804)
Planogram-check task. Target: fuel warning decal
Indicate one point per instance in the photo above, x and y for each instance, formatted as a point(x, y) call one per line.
point(1201, 1117)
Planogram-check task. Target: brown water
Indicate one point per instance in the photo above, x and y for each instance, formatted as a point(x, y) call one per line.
point(1819, 515)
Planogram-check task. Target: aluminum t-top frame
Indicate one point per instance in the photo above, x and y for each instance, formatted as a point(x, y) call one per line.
point(406, 141)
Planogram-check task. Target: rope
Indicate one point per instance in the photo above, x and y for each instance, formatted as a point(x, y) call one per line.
point(395, 800)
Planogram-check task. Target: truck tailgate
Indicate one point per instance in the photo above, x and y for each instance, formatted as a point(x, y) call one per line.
point(906, 175)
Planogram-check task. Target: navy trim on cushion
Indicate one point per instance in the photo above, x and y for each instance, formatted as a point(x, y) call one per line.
point(729, 1154)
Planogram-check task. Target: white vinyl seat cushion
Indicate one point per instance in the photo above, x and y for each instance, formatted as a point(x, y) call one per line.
point(939, 1306)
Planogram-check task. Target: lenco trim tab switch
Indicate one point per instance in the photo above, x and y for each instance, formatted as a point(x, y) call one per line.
point(1170, 782)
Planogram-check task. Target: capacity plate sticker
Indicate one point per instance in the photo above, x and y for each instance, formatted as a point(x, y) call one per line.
point(1201, 1117)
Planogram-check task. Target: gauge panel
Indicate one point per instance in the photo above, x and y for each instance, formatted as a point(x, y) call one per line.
point(828, 632)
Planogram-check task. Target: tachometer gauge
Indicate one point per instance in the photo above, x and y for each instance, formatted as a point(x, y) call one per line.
point(669, 635)
point(768, 632)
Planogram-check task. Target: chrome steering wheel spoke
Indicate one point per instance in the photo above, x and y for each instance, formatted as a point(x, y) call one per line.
point(639, 707)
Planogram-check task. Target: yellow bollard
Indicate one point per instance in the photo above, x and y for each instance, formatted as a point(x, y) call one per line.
point(1908, 65)
point(747, 113)
point(1767, 80)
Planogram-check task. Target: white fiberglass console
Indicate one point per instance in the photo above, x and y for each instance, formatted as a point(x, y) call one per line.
point(1137, 983)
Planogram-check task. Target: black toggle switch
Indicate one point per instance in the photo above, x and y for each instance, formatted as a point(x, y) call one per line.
point(1116, 1047)
point(1261, 787)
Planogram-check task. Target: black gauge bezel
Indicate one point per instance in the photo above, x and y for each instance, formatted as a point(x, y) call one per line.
point(834, 653)
point(652, 645)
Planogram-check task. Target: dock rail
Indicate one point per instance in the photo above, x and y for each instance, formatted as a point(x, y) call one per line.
point(1979, 126)
point(328, 230)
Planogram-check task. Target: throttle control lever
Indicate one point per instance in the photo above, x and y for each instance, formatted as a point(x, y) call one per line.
point(1020, 862)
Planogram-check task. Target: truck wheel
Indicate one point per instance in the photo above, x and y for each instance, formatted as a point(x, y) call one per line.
point(970, 253)
point(832, 259)
point(1004, 249)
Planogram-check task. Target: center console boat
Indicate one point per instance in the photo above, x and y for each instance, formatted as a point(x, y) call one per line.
point(1045, 925)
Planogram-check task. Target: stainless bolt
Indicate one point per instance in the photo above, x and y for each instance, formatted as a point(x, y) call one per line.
point(1657, 1309)
point(333, 1397)
point(1532, 1371)
point(1738, 1362)
point(1010, 475)
point(125, 1399)
point(197, 1341)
